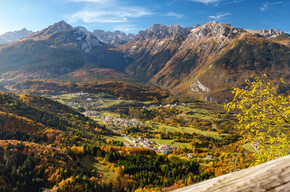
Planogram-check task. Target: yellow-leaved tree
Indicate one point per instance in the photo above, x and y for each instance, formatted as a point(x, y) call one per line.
point(264, 118)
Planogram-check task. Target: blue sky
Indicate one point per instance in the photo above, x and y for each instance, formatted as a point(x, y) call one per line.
point(135, 15)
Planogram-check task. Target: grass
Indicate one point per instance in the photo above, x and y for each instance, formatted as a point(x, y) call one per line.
point(97, 99)
point(171, 142)
point(163, 127)
point(147, 102)
point(108, 102)
point(99, 121)
point(249, 147)
point(87, 163)
point(196, 113)
point(105, 171)
point(106, 113)
point(118, 138)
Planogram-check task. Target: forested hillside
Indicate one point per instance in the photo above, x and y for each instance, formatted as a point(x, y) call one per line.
point(45, 144)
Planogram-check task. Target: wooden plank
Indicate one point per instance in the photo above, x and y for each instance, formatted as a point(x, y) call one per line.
point(270, 176)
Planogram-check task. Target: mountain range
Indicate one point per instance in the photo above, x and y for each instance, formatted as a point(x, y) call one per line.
point(204, 61)
point(208, 60)
point(14, 36)
point(113, 38)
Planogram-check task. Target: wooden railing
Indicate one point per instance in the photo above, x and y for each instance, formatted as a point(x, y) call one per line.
point(270, 176)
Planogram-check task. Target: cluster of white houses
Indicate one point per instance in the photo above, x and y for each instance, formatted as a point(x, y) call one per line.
point(149, 144)
point(119, 122)
point(139, 141)
point(77, 94)
point(165, 149)
point(114, 121)
point(91, 113)
point(165, 106)
point(76, 104)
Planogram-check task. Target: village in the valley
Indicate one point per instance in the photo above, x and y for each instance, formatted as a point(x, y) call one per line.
point(135, 142)
point(149, 144)
point(117, 123)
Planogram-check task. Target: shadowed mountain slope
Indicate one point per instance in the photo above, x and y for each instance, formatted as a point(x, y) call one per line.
point(56, 51)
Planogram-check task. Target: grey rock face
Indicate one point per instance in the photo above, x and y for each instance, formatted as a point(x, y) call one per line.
point(269, 33)
point(79, 35)
point(57, 27)
point(14, 36)
point(82, 29)
point(90, 42)
point(115, 38)
point(212, 29)
point(159, 31)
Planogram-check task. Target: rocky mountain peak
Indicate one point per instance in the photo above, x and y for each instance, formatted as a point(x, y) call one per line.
point(116, 37)
point(14, 36)
point(23, 30)
point(267, 33)
point(82, 29)
point(156, 28)
point(61, 26)
point(84, 39)
point(159, 31)
point(89, 43)
point(212, 29)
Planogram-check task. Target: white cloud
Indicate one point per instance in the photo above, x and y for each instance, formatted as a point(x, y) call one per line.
point(171, 2)
point(219, 15)
point(92, 1)
point(268, 5)
point(265, 6)
point(232, 1)
point(206, 1)
point(106, 11)
point(176, 15)
point(278, 2)
point(108, 15)
point(88, 16)
point(218, 2)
